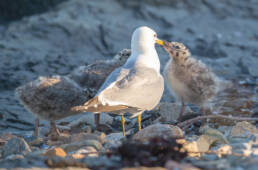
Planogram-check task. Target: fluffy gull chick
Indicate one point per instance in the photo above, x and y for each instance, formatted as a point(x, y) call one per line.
point(51, 98)
point(189, 79)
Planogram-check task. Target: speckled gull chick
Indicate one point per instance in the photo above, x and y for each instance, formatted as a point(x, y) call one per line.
point(91, 77)
point(134, 87)
point(51, 98)
point(189, 79)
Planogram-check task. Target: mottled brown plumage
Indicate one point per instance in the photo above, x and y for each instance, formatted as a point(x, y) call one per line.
point(189, 79)
point(51, 98)
point(93, 76)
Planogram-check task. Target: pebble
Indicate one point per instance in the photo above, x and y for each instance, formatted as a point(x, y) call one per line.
point(213, 132)
point(114, 140)
point(56, 152)
point(158, 130)
point(202, 144)
point(85, 151)
point(78, 156)
point(224, 149)
point(71, 147)
point(243, 129)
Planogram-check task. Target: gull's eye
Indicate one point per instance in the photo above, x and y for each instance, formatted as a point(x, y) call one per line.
point(155, 35)
point(177, 47)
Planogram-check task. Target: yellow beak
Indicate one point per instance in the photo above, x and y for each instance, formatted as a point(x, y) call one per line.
point(160, 42)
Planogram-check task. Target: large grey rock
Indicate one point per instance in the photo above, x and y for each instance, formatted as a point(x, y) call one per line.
point(158, 130)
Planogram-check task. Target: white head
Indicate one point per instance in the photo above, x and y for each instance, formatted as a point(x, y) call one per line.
point(143, 49)
point(143, 39)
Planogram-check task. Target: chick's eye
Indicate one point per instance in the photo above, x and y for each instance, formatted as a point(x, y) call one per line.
point(177, 47)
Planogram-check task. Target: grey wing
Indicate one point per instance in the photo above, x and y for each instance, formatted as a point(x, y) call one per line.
point(140, 88)
point(115, 76)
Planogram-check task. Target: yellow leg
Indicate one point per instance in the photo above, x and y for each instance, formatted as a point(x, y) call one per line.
point(139, 118)
point(123, 123)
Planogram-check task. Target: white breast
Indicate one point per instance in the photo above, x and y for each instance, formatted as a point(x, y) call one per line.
point(176, 87)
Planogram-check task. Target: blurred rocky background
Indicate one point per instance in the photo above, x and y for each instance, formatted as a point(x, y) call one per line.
point(47, 37)
point(16, 10)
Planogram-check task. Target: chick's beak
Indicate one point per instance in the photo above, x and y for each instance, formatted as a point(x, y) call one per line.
point(160, 42)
